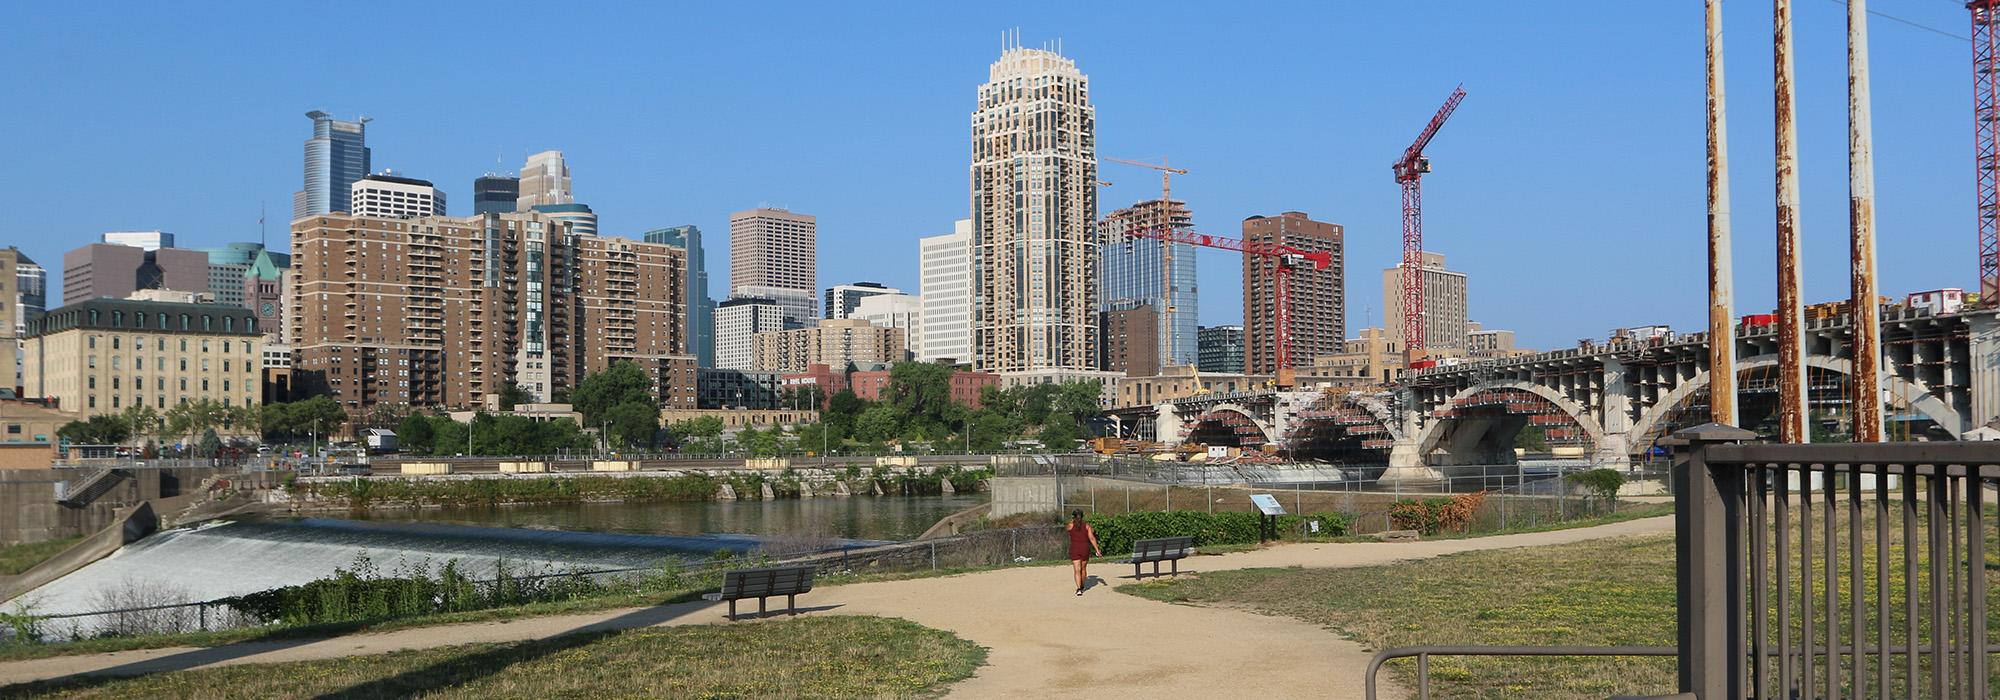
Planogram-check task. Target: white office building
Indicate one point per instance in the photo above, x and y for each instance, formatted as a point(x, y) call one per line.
point(737, 323)
point(904, 311)
point(945, 270)
point(394, 197)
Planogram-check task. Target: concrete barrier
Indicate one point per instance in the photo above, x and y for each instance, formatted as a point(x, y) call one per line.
point(767, 463)
point(130, 525)
point(426, 468)
point(611, 465)
point(902, 461)
point(524, 467)
point(1025, 494)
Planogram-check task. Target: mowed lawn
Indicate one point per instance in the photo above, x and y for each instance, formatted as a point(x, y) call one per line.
point(818, 656)
point(1610, 592)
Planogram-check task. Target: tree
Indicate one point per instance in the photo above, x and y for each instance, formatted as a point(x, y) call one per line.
point(877, 424)
point(632, 424)
point(142, 420)
point(105, 429)
point(318, 415)
point(512, 395)
point(210, 444)
point(623, 383)
point(705, 426)
point(921, 394)
point(1058, 435)
point(191, 418)
point(841, 411)
point(805, 397)
point(1532, 439)
point(414, 435)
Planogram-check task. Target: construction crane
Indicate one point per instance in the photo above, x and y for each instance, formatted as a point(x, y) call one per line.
point(1289, 260)
point(1167, 174)
point(1986, 143)
point(1410, 171)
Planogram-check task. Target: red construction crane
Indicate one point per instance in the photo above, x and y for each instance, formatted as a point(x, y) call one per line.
point(1986, 143)
point(1410, 171)
point(1289, 259)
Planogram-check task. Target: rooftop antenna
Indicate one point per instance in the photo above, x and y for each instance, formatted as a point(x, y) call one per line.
point(260, 225)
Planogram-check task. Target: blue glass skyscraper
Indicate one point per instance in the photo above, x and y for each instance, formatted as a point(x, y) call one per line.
point(336, 156)
point(701, 309)
point(1131, 271)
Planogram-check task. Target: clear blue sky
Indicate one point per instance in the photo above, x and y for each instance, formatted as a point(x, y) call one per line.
point(1569, 185)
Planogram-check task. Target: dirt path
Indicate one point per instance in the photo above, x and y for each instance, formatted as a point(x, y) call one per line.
point(1044, 640)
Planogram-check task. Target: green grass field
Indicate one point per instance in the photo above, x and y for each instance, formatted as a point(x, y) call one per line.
point(818, 657)
point(15, 559)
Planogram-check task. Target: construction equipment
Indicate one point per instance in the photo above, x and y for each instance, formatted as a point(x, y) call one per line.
point(1986, 142)
point(1288, 258)
point(1167, 174)
point(1410, 171)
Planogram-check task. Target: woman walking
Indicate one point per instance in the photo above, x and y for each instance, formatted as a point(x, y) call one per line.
point(1082, 546)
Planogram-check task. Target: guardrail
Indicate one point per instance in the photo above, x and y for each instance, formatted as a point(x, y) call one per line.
point(1423, 656)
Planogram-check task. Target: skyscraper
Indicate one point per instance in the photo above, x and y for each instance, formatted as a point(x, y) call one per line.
point(1133, 271)
point(1319, 299)
point(495, 194)
point(842, 298)
point(1034, 216)
point(393, 197)
point(23, 286)
point(901, 311)
point(701, 308)
point(336, 156)
point(774, 253)
point(545, 180)
point(1221, 349)
point(582, 220)
point(945, 273)
point(1444, 304)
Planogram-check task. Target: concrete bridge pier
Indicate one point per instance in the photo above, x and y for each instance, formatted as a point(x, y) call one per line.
point(1406, 464)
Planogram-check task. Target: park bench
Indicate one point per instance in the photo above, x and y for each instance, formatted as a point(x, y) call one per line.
point(1154, 551)
point(761, 583)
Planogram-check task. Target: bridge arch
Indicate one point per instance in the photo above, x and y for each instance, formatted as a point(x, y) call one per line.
point(1433, 430)
point(1270, 434)
point(1899, 388)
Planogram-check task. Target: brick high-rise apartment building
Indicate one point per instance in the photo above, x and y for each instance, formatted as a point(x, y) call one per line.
point(441, 311)
point(1319, 297)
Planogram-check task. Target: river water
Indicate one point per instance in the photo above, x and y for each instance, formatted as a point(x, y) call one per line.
point(245, 555)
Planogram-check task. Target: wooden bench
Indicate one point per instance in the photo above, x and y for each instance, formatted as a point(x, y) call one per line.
point(1168, 549)
point(761, 583)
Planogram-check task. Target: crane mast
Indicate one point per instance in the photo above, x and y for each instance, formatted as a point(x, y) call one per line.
point(1986, 143)
point(1167, 309)
point(1410, 171)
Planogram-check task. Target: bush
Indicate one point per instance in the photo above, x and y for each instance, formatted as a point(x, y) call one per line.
point(1602, 483)
point(1116, 533)
point(360, 593)
point(1431, 516)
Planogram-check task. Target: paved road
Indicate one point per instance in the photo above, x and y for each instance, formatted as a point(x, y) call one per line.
point(1045, 641)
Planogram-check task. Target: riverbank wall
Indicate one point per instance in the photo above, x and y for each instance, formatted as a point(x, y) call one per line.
point(607, 486)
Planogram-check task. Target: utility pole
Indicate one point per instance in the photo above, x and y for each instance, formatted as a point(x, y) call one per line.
point(1721, 273)
point(1867, 317)
point(1791, 316)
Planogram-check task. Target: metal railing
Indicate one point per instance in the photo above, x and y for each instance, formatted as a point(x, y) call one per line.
point(1754, 585)
point(1766, 538)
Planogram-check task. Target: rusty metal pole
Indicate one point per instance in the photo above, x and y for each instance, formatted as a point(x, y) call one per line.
point(1721, 274)
point(1867, 317)
point(1791, 317)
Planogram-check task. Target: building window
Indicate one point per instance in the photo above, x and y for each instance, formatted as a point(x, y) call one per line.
point(93, 401)
point(91, 382)
point(93, 342)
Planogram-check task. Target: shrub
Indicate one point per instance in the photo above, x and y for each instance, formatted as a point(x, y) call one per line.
point(1116, 533)
point(1602, 483)
point(1431, 516)
point(360, 593)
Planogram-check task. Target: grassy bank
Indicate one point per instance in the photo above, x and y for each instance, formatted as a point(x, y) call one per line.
point(823, 656)
point(16, 559)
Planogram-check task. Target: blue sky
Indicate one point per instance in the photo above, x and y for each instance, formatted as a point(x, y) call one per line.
point(1569, 185)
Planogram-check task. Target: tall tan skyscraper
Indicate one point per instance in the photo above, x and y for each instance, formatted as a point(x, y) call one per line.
point(544, 180)
point(441, 311)
point(1444, 304)
point(1319, 297)
point(774, 254)
point(1034, 216)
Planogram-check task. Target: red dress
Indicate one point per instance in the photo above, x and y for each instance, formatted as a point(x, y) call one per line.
point(1079, 542)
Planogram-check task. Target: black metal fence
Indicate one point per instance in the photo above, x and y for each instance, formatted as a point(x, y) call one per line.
point(1819, 571)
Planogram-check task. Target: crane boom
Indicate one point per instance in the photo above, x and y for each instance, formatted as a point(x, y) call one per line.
point(1410, 171)
point(1986, 143)
point(1289, 260)
point(1167, 288)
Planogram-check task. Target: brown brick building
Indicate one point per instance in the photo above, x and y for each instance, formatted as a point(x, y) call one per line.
point(1132, 341)
point(441, 311)
point(1319, 299)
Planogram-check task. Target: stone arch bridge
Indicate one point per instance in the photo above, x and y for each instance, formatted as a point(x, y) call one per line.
point(1941, 374)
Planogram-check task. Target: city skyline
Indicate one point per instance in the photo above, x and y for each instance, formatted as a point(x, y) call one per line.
point(1627, 112)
